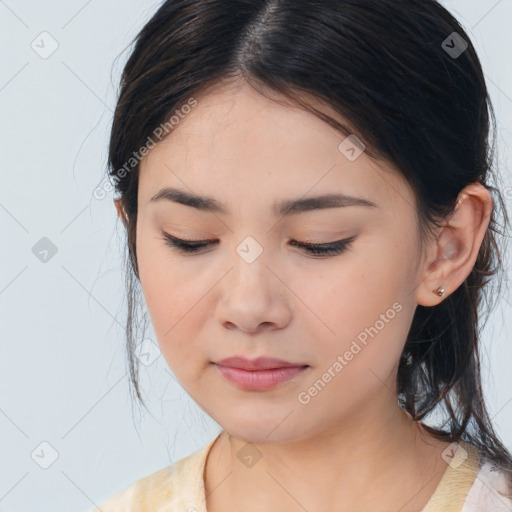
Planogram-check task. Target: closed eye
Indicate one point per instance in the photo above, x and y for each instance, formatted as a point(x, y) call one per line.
point(324, 249)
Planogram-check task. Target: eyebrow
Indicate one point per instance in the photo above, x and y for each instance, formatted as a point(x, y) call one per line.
point(283, 208)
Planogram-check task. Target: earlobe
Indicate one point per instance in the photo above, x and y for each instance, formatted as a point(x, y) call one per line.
point(453, 254)
point(439, 291)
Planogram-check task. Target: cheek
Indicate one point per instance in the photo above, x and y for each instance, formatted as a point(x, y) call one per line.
point(358, 341)
point(360, 311)
point(165, 289)
point(178, 300)
point(352, 307)
point(159, 286)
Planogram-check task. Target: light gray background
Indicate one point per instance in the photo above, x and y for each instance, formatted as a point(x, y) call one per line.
point(62, 366)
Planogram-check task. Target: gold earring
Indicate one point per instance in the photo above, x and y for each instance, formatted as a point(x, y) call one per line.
point(439, 291)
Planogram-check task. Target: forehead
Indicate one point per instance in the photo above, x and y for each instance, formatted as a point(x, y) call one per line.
point(238, 143)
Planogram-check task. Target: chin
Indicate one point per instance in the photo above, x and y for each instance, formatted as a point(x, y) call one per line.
point(263, 432)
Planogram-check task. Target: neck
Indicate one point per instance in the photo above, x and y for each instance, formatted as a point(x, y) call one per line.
point(352, 462)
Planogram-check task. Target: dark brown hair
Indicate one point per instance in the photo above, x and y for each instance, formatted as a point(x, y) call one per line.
point(388, 67)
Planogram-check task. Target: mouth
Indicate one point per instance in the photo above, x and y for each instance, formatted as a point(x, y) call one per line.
point(259, 374)
point(260, 363)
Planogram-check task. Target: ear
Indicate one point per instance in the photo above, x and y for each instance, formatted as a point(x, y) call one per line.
point(452, 256)
point(120, 211)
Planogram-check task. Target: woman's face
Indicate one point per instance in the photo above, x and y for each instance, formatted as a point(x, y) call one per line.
point(253, 292)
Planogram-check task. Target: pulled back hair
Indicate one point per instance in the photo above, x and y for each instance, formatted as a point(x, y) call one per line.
point(384, 67)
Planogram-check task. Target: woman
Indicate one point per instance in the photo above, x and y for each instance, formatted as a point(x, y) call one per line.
point(306, 192)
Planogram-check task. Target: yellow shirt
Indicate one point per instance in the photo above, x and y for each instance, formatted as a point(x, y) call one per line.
point(466, 486)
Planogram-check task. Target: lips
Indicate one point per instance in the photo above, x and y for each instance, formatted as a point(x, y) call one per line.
point(261, 374)
point(260, 363)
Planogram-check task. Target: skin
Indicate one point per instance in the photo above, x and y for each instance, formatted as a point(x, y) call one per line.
point(247, 151)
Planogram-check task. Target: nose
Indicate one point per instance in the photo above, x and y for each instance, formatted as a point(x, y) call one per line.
point(253, 296)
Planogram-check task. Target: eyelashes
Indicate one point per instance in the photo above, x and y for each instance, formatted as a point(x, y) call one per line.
point(189, 246)
point(325, 249)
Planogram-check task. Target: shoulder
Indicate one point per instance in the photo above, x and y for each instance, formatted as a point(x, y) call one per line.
point(179, 484)
point(156, 487)
point(490, 491)
point(470, 483)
